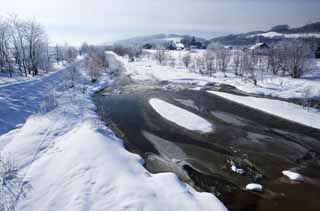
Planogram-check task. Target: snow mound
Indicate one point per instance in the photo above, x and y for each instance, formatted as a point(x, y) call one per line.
point(180, 116)
point(293, 175)
point(254, 187)
point(237, 170)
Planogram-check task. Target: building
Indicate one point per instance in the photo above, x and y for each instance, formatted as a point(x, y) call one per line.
point(179, 46)
point(260, 48)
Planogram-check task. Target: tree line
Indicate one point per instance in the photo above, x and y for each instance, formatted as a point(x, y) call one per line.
point(24, 47)
point(287, 58)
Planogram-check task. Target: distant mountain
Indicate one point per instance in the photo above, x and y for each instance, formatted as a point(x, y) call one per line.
point(276, 33)
point(157, 39)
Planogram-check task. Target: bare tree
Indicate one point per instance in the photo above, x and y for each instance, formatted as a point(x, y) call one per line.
point(94, 63)
point(20, 44)
point(209, 60)
point(222, 56)
point(236, 59)
point(161, 55)
point(35, 37)
point(292, 57)
point(248, 66)
point(187, 60)
point(5, 57)
point(71, 54)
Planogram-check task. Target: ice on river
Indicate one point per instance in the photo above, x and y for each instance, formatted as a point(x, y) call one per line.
point(180, 116)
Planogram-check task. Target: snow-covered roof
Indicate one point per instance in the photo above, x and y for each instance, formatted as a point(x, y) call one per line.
point(258, 45)
point(179, 45)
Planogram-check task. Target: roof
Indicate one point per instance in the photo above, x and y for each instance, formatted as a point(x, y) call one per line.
point(259, 45)
point(179, 45)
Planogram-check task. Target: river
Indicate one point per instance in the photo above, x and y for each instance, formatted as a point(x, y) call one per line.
point(261, 144)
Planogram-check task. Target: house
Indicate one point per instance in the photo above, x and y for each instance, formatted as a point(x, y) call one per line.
point(147, 46)
point(180, 46)
point(259, 48)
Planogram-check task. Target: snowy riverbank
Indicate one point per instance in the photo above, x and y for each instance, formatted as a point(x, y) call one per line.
point(68, 160)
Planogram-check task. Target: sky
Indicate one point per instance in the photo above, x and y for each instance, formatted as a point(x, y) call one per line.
point(102, 21)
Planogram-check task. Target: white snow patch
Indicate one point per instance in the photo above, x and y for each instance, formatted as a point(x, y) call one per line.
point(254, 187)
point(180, 116)
point(293, 175)
point(279, 108)
point(237, 170)
point(272, 34)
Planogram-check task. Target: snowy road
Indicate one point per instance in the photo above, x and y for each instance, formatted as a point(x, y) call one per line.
point(19, 100)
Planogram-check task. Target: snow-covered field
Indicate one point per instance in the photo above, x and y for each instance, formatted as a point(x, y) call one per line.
point(68, 160)
point(147, 68)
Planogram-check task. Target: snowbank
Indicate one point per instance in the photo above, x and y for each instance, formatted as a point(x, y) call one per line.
point(293, 175)
point(70, 161)
point(180, 116)
point(279, 108)
point(254, 187)
point(237, 170)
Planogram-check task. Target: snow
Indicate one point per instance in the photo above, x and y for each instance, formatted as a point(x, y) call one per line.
point(19, 98)
point(254, 187)
point(180, 116)
point(293, 175)
point(237, 170)
point(272, 34)
point(146, 69)
point(289, 111)
point(70, 161)
point(257, 45)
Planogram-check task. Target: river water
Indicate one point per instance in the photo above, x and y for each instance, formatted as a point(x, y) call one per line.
point(260, 144)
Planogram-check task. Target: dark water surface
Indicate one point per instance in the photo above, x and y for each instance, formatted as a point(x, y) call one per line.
point(261, 144)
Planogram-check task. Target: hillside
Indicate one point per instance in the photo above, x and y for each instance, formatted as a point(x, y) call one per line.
point(276, 33)
point(157, 39)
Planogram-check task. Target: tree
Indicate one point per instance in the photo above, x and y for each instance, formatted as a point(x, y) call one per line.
point(58, 54)
point(187, 59)
point(5, 57)
point(84, 49)
point(274, 59)
point(95, 64)
point(161, 55)
point(236, 62)
point(293, 57)
point(209, 60)
point(222, 56)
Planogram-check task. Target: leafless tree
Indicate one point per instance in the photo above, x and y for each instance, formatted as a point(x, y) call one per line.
point(293, 57)
point(95, 65)
point(209, 60)
point(5, 57)
point(222, 56)
point(71, 54)
point(187, 60)
point(248, 66)
point(161, 55)
point(236, 59)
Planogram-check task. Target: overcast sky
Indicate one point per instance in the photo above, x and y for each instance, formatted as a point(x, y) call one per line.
point(99, 21)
